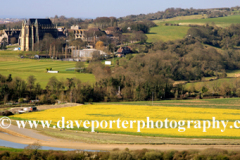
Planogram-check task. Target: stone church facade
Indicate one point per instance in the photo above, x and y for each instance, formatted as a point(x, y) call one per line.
point(9, 34)
point(33, 30)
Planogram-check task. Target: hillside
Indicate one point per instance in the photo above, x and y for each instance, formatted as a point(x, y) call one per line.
point(176, 12)
point(221, 21)
point(166, 33)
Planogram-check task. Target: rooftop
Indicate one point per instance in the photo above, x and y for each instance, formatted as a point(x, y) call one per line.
point(33, 21)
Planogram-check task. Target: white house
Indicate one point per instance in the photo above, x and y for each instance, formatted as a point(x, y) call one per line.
point(86, 53)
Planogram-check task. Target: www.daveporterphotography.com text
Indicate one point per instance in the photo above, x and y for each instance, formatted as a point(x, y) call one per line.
point(93, 125)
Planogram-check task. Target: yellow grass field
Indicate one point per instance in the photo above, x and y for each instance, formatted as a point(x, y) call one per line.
point(139, 112)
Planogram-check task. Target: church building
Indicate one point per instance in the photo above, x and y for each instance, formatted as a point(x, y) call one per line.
point(33, 30)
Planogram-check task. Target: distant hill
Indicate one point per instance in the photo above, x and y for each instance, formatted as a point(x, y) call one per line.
point(221, 21)
point(175, 12)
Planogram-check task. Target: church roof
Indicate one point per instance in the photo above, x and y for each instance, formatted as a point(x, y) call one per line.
point(39, 21)
point(11, 32)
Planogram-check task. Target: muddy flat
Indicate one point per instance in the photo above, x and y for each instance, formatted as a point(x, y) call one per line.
point(29, 136)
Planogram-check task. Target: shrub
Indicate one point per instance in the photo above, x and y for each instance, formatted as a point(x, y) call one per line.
point(238, 92)
point(200, 157)
point(233, 157)
point(168, 155)
point(104, 155)
point(113, 156)
point(129, 56)
point(213, 152)
point(154, 155)
point(45, 99)
point(116, 149)
point(222, 157)
point(138, 154)
point(181, 155)
point(6, 113)
point(34, 146)
point(4, 154)
point(125, 156)
point(20, 100)
point(80, 66)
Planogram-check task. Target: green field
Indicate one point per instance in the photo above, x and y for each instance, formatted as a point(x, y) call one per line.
point(10, 149)
point(199, 85)
point(230, 79)
point(10, 63)
point(167, 33)
point(180, 18)
point(232, 73)
point(224, 103)
point(221, 21)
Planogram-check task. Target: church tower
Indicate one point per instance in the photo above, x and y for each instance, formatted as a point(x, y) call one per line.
point(23, 36)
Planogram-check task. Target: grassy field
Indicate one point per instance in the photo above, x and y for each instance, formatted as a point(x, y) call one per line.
point(10, 63)
point(232, 73)
point(222, 109)
point(224, 103)
point(198, 85)
point(10, 149)
point(166, 33)
point(180, 18)
point(230, 79)
point(221, 21)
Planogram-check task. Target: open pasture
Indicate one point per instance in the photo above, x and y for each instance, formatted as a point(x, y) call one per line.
point(10, 63)
point(180, 18)
point(221, 21)
point(167, 33)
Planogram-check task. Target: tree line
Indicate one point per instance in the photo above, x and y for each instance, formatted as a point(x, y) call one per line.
point(35, 153)
point(225, 38)
point(175, 12)
point(69, 90)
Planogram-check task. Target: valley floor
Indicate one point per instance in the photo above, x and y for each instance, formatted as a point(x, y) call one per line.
point(28, 136)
